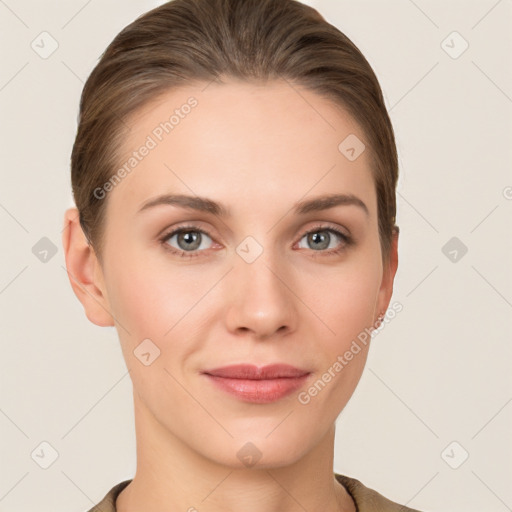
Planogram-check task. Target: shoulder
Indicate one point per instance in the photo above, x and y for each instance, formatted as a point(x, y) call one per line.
point(108, 503)
point(368, 500)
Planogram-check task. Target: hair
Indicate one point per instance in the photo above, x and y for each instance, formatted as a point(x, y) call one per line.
point(187, 41)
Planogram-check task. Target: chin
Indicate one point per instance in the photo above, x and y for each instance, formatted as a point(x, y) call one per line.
point(258, 451)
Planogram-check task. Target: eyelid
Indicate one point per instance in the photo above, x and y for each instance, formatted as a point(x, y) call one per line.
point(321, 226)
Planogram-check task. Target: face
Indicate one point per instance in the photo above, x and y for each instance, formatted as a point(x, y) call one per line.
point(257, 279)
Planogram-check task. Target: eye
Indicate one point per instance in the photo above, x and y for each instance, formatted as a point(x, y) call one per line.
point(320, 238)
point(189, 240)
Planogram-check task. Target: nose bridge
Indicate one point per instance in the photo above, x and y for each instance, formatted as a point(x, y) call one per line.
point(260, 298)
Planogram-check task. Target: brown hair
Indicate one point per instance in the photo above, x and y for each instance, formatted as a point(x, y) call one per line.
point(184, 41)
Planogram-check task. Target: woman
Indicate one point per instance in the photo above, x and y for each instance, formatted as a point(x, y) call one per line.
point(234, 174)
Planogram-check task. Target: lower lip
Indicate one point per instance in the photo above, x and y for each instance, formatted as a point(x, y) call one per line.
point(259, 391)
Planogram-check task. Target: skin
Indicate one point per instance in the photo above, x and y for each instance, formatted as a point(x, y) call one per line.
point(257, 150)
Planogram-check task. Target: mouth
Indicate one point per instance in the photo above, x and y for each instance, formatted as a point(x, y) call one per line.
point(253, 372)
point(258, 385)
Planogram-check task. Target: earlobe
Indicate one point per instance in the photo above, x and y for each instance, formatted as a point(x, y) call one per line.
point(82, 268)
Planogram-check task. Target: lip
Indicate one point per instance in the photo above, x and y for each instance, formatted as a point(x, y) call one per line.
point(253, 372)
point(262, 385)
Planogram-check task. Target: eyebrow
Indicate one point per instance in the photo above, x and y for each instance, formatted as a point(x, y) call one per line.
point(204, 204)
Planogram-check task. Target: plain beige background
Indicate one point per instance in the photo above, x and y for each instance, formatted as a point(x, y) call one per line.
point(437, 387)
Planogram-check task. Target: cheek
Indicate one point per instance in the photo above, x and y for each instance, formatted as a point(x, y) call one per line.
point(345, 302)
point(344, 297)
point(136, 303)
point(150, 297)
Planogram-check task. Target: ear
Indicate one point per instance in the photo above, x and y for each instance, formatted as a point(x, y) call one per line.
point(84, 271)
point(388, 276)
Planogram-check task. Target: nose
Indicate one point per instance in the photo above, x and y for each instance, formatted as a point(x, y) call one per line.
point(261, 300)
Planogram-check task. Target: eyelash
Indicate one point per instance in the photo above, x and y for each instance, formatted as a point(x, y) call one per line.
point(347, 240)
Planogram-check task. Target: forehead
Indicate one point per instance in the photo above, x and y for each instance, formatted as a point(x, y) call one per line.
point(239, 142)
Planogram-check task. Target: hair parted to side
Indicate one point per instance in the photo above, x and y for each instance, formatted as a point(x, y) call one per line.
point(187, 41)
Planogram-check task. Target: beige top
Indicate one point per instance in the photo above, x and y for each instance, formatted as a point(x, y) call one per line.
point(366, 500)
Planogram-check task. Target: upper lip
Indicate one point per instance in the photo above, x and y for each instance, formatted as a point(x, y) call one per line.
point(253, 372)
